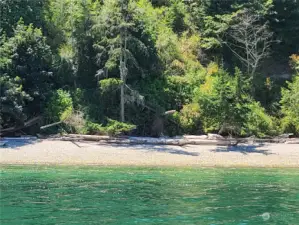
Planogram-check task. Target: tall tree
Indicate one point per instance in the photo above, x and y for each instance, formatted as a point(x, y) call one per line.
point(123, 59)
point(114, 32)
point(12, 10)
point(26, 71)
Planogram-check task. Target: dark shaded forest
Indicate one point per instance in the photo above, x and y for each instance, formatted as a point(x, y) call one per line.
point(122, 67)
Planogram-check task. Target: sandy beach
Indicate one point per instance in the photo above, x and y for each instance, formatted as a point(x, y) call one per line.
point(88, 153)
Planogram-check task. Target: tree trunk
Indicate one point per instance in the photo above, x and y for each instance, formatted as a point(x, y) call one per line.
point(122, 103)
point(123, 67)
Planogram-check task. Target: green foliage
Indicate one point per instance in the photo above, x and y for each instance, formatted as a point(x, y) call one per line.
point(27, 56)
point(284, 22)
point(226, 107)
point(164, 93)
point(77, 97)
point(110, 84)
point(12, 100)
point(290, 106)
point(189, 119)
point(114, 127)
point(258, 122)
point(108, 28)
point(295, 62)
point(219, 101)
point(160, 52)
point(25, 65)
point(94, 128)
point(12, 10)
point(60, 106)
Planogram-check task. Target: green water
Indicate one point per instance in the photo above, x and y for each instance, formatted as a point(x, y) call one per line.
point(97, 195)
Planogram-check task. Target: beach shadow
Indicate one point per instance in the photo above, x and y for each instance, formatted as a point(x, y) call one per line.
point(244, 149)
point(157, 148)
point(168, 149)
point(15, 143)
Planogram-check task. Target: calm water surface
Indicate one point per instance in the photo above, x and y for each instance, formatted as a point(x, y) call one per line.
point(98, 195)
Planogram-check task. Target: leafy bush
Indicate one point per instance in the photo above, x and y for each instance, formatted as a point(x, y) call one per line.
point(12, 100)
point(208, 99)
point(94, 128)
point(112, 128)
point(258, 122)
point(225, 108)
point(77, 97)
point(220, 99)
point(295, 62)
point(290, 106)
point(189, 119)
point(60, 106)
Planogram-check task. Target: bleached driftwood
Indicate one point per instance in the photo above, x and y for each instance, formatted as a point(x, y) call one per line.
point(179, 141)
point(51, 125)
point(150, 141)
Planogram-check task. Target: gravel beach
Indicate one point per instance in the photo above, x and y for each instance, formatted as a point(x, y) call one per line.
point(91, 153)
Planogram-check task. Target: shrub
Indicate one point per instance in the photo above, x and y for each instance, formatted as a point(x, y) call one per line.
point(258, 122)
point(220, 101)
point(12, 101)
point(225, 108)
point(189, 118)
point(60, 106)
point(78, 98)
point(295, 62)
point(112, 128)
point(290, 106)
point(207, 98)
point(94, 128)
point(115, 127)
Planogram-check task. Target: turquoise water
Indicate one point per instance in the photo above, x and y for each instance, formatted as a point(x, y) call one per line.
point(99, 195)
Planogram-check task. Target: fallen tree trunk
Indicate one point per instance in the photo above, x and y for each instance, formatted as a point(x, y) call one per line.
point(91, 137)
point(26, 124)
point(51, 125)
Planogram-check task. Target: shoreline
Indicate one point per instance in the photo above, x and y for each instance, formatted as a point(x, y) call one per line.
point(68, 153)
point(44, 164)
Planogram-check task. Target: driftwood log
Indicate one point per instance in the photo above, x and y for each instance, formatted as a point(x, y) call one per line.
point(177, 141)
point(149, 141)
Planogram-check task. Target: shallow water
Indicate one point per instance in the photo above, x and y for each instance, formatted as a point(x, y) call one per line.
point(99, 195)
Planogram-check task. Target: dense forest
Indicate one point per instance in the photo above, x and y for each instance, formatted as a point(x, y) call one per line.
point(119, 66)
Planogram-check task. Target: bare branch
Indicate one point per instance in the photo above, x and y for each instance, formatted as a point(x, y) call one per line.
point(251, 41)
